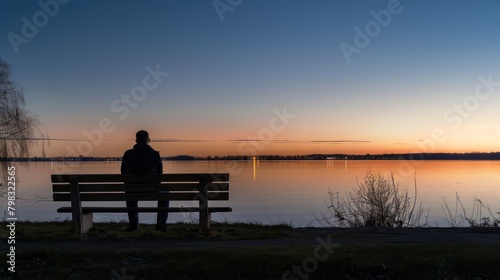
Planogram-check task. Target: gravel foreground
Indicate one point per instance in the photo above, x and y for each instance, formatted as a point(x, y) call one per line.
point(301, 253)
point(295, 237)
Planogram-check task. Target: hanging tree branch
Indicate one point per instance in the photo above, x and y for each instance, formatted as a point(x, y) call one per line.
point(19, 128)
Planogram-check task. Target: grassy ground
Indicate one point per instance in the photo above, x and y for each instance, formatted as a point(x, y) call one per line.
point(382, 261)
point(49, 231)
point(378, 262)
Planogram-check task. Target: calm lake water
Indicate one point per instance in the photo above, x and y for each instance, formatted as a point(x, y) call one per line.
point(282, 191)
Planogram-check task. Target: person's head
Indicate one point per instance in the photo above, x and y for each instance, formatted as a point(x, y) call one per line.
point(142, 137)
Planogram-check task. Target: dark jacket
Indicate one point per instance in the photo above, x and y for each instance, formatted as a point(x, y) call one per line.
point(142, 159)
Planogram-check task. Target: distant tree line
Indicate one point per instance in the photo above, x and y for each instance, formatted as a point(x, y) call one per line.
point(412, 156)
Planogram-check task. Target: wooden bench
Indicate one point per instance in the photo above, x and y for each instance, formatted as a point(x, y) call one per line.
point(196, 188)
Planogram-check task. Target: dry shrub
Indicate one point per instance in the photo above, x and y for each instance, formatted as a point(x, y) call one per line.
point(481, 215)
point(377, 201)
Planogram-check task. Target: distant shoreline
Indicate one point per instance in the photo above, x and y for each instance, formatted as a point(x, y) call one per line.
point(405, 156)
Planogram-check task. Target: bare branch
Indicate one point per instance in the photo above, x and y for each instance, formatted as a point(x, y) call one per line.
point(375, 202)
point(18, 127)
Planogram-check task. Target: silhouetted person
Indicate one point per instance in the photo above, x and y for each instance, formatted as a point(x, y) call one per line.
point(143, 159)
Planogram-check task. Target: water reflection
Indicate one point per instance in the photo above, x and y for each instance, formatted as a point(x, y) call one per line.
point(255, 162)
point(283, 190)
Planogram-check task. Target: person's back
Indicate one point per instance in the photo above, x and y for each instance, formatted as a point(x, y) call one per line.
point(142, 160)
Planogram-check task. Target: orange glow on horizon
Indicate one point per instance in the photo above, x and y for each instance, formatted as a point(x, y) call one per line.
point(88, 140)
point(115, 148)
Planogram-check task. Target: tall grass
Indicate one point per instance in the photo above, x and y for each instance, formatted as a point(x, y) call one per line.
point(377, 201)
point(481, 215)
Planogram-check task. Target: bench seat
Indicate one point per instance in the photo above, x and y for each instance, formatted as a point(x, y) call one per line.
point(195, 188)
point(87, 210)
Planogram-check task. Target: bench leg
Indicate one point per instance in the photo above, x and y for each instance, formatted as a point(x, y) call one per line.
point(81, 222)
point(205, 220)
point(86, 223)
point(203, 203)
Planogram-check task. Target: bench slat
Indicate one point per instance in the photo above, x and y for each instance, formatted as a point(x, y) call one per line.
point(140, 196)
point(87, 187)
point(151, 178)
point(143, 209)
point(119, 187)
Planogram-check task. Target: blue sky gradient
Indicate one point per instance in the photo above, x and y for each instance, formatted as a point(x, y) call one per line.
point(226, 77)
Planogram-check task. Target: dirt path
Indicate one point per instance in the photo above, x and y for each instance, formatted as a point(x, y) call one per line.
point(296, 237)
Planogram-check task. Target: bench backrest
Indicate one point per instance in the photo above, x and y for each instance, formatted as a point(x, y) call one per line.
point(119, 187)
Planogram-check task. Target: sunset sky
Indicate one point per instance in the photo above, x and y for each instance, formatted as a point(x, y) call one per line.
point(300, 77)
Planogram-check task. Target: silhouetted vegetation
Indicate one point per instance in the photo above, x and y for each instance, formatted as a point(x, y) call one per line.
point(375, 202)
point(19, 129)
point(480, 216)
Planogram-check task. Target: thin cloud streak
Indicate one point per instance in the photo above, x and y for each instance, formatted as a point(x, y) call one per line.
point(301, 141)
point(284, 141)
